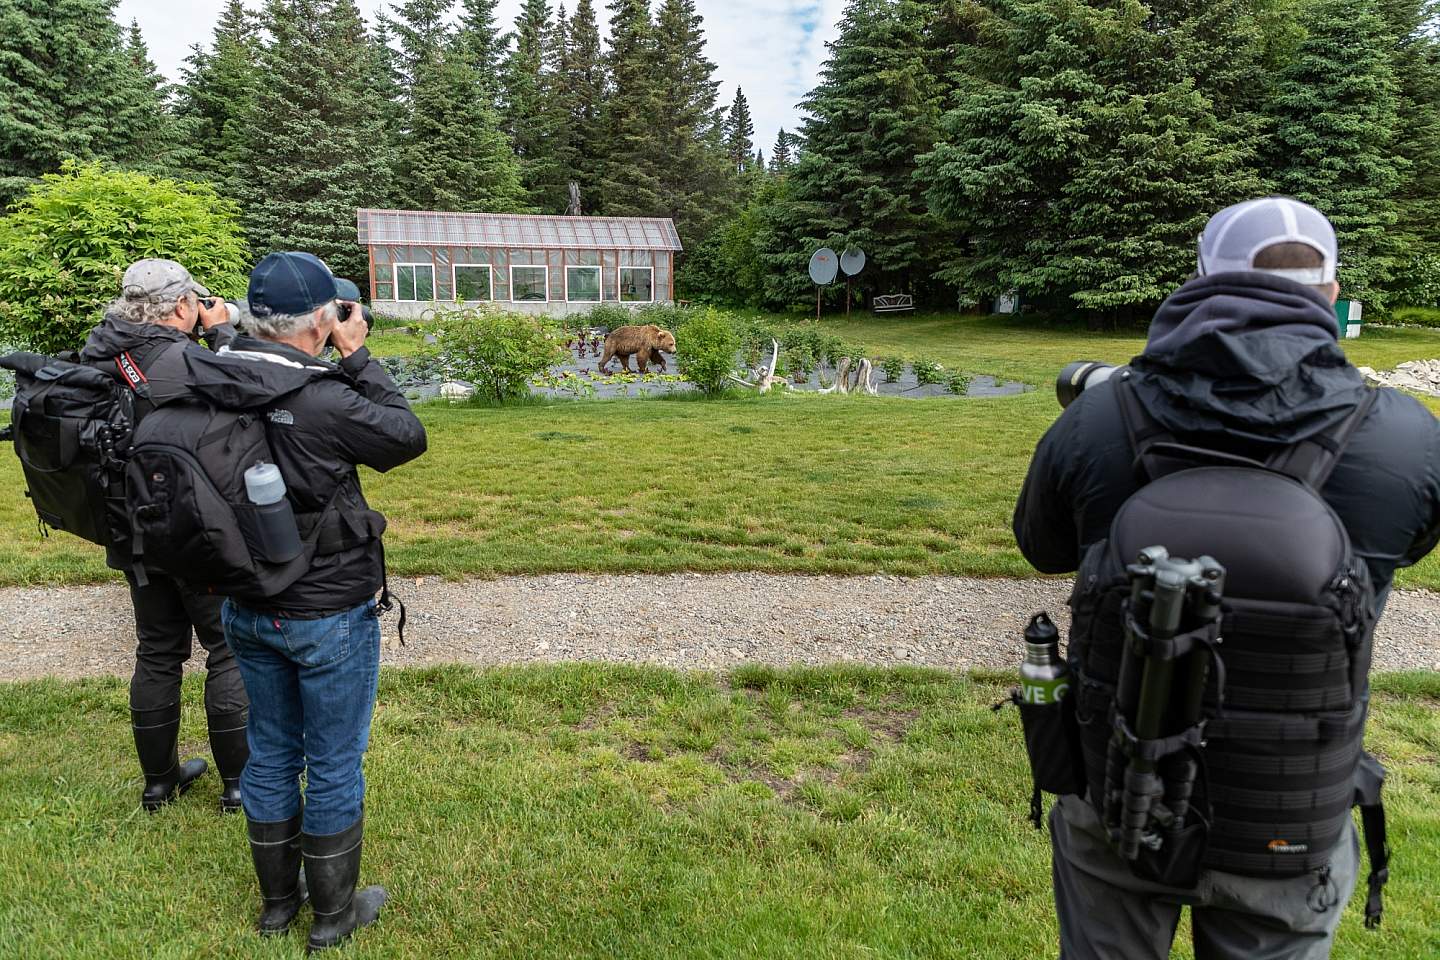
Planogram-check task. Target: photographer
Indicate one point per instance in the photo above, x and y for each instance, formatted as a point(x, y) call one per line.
point(1242, 361)
point(310, 654)
point(145, 340)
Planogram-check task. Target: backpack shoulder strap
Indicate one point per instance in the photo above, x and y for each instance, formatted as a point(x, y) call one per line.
point(1311, 460)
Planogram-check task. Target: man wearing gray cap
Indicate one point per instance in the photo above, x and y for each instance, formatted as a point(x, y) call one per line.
point(144, 341)
point(1242, 372)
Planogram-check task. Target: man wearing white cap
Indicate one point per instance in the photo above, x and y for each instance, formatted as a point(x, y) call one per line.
point(144, 341)
point(1241, 370)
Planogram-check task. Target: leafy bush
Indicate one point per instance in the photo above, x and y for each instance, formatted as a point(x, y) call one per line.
point(65, 246)
point(496, 350)
point(958, 384)
point(1417, 316)
point(801, 361)
point(1418, 283)
point(666, 316)
point(927, 371)
point(893, 368)
point(705, 349)
point(608, 316)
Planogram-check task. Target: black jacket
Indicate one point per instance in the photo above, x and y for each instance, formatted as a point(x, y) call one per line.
point(1240, 362)
point(163, 355)
point(319, 433)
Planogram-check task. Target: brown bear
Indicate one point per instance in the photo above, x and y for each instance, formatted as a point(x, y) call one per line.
point(643, 343)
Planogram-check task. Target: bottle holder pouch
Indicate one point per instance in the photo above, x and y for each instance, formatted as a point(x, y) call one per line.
point(1052, 741)
point(270, 530)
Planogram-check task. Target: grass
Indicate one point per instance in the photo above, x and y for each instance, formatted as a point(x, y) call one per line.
point(801, 484)
point(585, 811)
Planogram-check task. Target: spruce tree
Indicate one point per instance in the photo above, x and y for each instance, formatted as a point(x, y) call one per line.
point(740, 134)
point(65, 78)
point(451, 154)
point(309, 145)
point(584, 90)
point(688, 127)
point(144, 113)
point(1335, 136)
point(1416, 60)
point(1086, 150)
point(217, 90)
point(875, 110)
point(530, 117)
point(480, 39)
point(780, 155)
point(629, 182)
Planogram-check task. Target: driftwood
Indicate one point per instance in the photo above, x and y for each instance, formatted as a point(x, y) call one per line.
point(769, 380)
point(860, 379)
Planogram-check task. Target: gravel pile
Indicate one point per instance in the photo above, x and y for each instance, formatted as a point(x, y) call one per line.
point(689, 621)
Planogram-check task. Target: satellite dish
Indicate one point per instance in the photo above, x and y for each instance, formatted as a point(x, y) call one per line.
point(852, 261)
point(824, 265)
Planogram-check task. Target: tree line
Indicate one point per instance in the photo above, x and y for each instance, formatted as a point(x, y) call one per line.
point(1066, 150)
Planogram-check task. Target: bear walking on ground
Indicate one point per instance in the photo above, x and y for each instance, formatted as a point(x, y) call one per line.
point(644, 343)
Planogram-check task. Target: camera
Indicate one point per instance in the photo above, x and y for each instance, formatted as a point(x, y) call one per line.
point(364, 313)
point(1077, 377)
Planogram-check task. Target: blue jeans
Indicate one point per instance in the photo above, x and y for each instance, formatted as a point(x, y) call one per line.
point(312, 692)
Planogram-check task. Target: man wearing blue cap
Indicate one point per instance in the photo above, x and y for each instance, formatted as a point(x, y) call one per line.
point(310, 655)
point(1243, 376)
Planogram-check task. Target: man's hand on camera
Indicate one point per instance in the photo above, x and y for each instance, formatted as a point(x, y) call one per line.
point(350, 330)
point(213, 312)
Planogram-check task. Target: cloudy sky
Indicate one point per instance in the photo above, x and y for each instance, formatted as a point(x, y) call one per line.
point(771, 48)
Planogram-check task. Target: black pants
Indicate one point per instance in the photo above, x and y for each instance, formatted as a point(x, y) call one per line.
point(165, 616)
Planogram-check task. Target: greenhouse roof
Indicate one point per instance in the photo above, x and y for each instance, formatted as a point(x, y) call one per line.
point(423, 227)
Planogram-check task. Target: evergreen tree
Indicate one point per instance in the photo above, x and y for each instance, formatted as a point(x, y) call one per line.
point(740, 134)
point(309, 145)
point(530, 117)
point(1416, 60)
point(144, 114)
point(482, 44)
point(65, 78)
point(1335, 136)
point(875, 110)
point(781, 155)
point(1086, 151)
point(584, 91)
point(389, 85)
point(217, 91)
point(629, 183)
point(688, 129)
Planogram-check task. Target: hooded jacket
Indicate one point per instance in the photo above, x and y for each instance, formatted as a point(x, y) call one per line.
point(324, 420)
point(1242, 363)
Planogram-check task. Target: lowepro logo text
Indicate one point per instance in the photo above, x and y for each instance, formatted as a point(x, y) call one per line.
point(1285, 846)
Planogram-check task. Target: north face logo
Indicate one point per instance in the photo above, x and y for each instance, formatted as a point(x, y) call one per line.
point(284, 417)
point(1285, 846)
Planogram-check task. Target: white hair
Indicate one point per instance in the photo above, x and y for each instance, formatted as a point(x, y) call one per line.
point(143, 310)
point(283, 326)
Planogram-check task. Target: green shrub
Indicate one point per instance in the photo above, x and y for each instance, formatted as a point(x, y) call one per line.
point(496, 350)
point(65, 246)
point(607, 315)
point(958, 384)
point(927, 371)
point(893, 368)
point(666, 316)
point(1417, 316)
point(801, 361)
point(705, 349)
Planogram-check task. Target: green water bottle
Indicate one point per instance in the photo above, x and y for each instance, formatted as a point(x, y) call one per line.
point(1044, 676)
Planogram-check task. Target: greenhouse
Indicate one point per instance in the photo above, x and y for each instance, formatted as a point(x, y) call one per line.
point(539, 264)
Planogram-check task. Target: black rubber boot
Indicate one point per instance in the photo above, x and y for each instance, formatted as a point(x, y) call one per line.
point(230, 749)
point(275, 848)
point(166, 778)
point(332, 867)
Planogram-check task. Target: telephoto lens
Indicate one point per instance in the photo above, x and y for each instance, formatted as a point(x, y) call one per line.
point(1080, 376)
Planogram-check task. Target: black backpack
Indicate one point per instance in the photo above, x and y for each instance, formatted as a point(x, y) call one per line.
point(72, 425)
point(1280, 740)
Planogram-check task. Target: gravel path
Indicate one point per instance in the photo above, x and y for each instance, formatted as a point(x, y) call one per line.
point(690, 621)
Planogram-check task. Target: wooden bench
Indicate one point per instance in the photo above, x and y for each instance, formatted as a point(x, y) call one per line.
point(893, 303)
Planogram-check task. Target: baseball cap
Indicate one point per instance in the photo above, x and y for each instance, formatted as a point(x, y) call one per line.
point(1236, 234)
point(346, 290)
point(159, 280)
point(290, 283)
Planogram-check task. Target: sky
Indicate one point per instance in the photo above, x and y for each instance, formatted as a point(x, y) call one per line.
point(772, 49)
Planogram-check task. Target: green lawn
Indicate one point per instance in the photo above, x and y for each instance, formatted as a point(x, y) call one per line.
point(798, 483)
point(584, 811)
